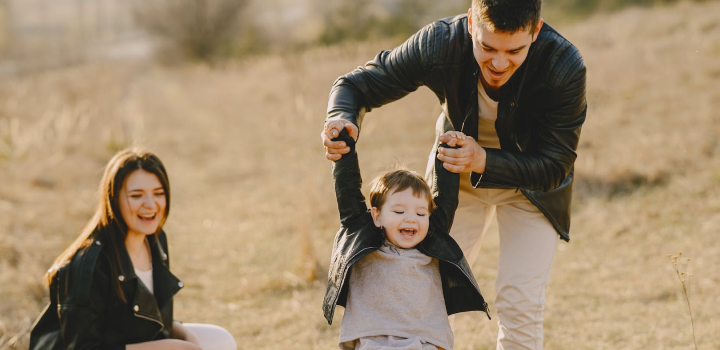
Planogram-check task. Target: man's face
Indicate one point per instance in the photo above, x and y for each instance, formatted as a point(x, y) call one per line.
point(499, 54)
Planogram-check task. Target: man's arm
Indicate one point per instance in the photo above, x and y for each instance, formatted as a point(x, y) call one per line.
point(390, 76)
point(548, 163)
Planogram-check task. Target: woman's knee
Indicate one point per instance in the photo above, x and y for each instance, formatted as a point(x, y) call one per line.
point(212, 337)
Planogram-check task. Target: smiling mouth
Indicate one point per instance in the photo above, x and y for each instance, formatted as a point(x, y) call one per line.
point(148, 217)
point(408, 232)
point(496, 74)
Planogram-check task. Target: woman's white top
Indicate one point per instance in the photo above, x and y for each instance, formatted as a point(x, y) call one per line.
point(147, 279)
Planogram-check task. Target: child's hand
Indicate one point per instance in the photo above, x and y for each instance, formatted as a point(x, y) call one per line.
point(451, 138)
point(335, 149)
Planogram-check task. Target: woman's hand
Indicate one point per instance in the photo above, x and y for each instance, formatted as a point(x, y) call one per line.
point(183, 333)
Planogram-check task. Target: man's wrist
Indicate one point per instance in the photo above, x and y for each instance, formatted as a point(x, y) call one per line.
point(480, 164)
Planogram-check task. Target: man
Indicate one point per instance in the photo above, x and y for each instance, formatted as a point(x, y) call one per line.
point(516, 87)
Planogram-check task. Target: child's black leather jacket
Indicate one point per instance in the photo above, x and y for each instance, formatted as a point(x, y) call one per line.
point(359, 237)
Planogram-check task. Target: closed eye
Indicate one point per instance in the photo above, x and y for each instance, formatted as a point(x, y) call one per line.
point(399, 212)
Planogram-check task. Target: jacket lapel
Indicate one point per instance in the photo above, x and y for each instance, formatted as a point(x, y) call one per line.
point(165, 283)
point(147, 305)
point(144, 302)
point(470, 77)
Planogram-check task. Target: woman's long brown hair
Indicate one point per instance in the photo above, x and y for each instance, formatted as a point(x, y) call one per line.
point(107, 218)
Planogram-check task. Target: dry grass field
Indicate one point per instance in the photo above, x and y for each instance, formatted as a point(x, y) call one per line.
point(253, 213)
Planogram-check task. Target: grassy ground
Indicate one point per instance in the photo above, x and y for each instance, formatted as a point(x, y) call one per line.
point(253, 213)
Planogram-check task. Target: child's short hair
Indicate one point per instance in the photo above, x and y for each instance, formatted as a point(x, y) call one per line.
point(398, 181)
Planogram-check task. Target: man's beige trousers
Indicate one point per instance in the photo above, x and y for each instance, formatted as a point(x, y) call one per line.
point(527, 247)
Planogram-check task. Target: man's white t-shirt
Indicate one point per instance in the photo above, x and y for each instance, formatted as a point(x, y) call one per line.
point(487, 114)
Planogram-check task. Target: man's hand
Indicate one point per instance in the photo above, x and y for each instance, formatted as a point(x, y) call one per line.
point(333, 126)
point(469, 157)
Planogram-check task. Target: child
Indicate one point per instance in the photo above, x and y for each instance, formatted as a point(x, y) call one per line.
point(395, 268)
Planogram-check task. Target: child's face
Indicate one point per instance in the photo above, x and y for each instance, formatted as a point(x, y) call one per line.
point(405, 217)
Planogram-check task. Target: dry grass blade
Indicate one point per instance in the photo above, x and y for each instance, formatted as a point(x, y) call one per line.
point(4, 331)
point(680, 265)
point(13, 341)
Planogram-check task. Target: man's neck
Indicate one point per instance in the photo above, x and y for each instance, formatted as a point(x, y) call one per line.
point(492, 92)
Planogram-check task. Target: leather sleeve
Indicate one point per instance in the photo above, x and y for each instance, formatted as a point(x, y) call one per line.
point(554, 144)
point(348, 184)
point(445, 186)
point(390, 76)
point(82, 313)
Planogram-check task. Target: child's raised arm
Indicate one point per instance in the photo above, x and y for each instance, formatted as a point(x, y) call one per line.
point(348, 184)
point(445, 187)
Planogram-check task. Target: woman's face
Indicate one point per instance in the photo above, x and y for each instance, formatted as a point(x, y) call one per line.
point(142, 202)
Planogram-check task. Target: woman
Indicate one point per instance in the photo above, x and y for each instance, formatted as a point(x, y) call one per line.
point(112, 287)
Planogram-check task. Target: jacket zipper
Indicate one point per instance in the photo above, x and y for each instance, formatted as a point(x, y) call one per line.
point(153, 320)
point(485, 305)
point(514, 136)
point(520, 149)
point(342, 280)
point(476, 74)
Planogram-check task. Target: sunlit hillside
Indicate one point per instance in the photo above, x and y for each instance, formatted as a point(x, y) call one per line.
point(253, 211)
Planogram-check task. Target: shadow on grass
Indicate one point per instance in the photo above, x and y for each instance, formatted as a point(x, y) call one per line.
point(621, 185)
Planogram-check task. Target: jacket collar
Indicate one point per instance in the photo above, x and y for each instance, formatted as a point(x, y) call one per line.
point(165, 284)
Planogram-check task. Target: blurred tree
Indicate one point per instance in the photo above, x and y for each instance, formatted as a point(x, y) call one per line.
point(349, 20)
point(406, 18)
point(578, 9)
point(359, 20)
point(196, 29)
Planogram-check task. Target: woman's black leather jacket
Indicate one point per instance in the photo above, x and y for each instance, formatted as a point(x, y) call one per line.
point(85, 313)
point(358, 236)
point(540, 112)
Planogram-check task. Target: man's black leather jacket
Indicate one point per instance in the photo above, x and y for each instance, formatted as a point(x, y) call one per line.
point(85, 313)
point(358, 236)
point(540, 112)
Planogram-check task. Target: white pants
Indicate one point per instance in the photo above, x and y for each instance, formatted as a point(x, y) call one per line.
point(527, 247)
point(212, 337)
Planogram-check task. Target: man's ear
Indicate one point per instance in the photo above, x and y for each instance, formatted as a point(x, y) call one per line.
point(376, 216)
point(537, 29)
point(470, 21)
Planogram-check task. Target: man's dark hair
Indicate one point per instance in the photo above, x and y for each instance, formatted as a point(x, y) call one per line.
point(507, 16)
